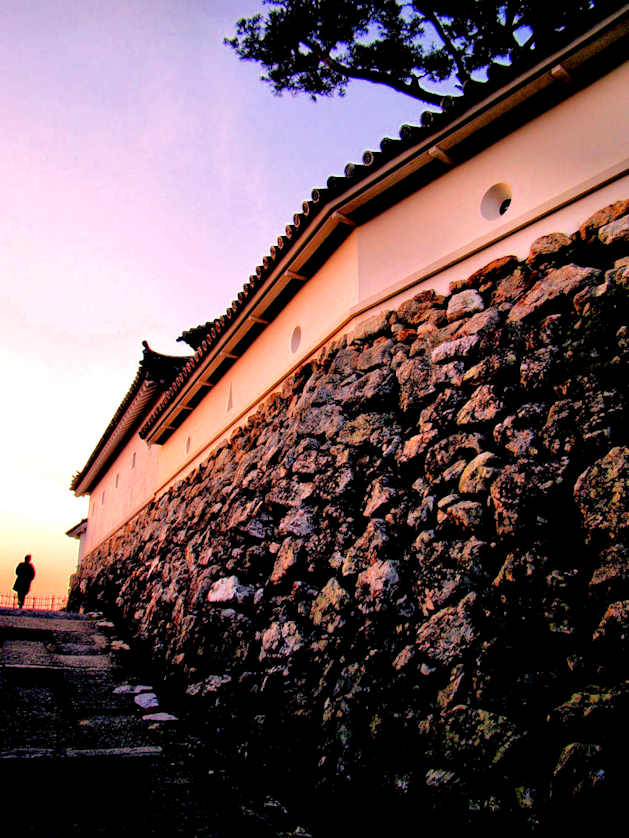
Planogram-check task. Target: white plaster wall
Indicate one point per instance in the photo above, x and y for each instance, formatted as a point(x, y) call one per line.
point(566, 220)
point(317, 309)
point(423, 242)
point(111, 505)
point(551, 156)
point(82, 539)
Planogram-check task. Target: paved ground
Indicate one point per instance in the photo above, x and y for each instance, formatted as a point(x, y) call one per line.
point(78, 755)
point(75, 756)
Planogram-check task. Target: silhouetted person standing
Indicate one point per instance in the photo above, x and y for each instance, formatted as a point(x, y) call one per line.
point(24, 575)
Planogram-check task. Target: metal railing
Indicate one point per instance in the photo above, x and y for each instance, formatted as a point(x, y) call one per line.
point(34, 603)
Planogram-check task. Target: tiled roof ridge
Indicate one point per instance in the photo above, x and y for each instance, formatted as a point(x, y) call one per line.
point(158, 365)
point(192, 362)
point(154, 367)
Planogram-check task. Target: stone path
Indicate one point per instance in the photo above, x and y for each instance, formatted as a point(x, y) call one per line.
point(75, 757)
point(81, 752)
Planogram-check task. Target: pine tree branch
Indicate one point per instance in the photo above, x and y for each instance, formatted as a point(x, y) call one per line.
point(412, 88)
point(431, 17)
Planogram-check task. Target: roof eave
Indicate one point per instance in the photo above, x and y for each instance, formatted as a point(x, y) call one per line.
point(136, 411)
point(78, 529)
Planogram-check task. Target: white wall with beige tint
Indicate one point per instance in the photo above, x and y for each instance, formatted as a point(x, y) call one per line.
point(560, 168)
point(322, 308)
point(314, 313)
point(553, 159)
point(126, 487)
point(567, 220)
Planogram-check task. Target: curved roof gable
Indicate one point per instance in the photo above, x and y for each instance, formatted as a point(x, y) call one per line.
point(154, 376)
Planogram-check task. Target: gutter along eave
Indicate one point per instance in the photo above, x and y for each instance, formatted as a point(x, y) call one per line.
point(428, 151)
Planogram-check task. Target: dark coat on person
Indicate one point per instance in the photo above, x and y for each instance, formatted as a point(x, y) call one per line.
point(24, 573)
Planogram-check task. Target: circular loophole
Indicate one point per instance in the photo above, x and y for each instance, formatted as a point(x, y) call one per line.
point(496, 201)
point(295, 339)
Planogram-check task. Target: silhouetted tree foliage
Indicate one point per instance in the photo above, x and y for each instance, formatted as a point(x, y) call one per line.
point(317, 46)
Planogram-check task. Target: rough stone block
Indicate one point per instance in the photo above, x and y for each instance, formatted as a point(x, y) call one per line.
point(447, 635)
point(488, 274)
point(616, 232)
point(602, 495)
point(371, 328)
point(600, 218)
point(479, 474)
point(228, 592)
point(562, 283)
point(460, 348)
point(549, 250)
point(464, 304)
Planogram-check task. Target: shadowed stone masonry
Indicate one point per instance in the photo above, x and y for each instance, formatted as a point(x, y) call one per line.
point(85, 749)
point(68, 743)
point(405, 580)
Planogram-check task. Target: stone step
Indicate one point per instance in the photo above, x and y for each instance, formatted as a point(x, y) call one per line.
point(77, 756)
point(22, 653)
point(29, 754)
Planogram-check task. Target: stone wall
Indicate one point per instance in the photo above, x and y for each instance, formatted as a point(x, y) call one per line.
point(407, 576)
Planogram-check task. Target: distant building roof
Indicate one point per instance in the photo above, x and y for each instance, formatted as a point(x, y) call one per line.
point(78, 529)
point(155, 374)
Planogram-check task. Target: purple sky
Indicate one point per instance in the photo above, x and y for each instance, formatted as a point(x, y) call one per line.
point(145, 172)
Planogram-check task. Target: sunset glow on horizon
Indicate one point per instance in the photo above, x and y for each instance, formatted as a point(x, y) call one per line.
point(146, 172)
